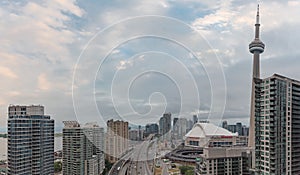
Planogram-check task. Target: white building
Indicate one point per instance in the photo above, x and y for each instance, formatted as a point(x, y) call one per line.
point(207, 134)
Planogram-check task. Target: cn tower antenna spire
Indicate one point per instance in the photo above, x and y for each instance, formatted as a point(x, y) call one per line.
point(257, 15)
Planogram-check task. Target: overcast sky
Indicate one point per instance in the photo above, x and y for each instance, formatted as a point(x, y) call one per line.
point(135, 60)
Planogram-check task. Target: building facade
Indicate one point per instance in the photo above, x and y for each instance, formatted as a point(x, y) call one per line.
point(242, 130)
point(277, 125)
point(151, 129)
point(134, 135)
point(207, 134)
point(224, 161)
point(30, 143)
point(165, 125)
point(195, 119)
point(116, 140)
point(83, 148)
point(180, 129)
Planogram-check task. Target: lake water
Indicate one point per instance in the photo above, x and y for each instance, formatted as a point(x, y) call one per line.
point(3, 146)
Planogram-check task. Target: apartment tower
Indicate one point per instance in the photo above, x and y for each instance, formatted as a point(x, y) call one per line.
point(83, 149)
point(116, 139)
point(277, 128)
point(30, 143)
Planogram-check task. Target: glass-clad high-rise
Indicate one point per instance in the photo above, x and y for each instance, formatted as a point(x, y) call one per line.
point(30, 142)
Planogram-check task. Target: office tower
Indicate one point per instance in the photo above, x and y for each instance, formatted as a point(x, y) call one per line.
point(245, 130)
point(133, 135)
point(165, 125)
point(116, 140)
point(180, 128)
point(82, 149)
point(256, 47)
point(190, 125)
point(277, 128)
point(238, 127)
point(151, 129)
point(231, 128)
point(140, 133)
point(224, 125)
point(175, 121)
point(195, 119)
point(30, 142)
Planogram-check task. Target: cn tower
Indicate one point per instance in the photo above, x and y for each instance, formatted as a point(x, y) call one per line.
point(256, 47)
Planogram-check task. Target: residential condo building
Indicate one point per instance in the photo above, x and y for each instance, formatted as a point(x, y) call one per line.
point(277, 125)
point(83, 148)
point(30, 143)
point(224, 161)
point(116, 140)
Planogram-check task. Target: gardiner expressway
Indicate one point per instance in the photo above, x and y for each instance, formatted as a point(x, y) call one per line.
point(139, 161)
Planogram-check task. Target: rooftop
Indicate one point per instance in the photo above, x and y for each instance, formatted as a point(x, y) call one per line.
point(208, 130)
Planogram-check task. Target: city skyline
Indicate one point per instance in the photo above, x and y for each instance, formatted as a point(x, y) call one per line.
point(44, 70)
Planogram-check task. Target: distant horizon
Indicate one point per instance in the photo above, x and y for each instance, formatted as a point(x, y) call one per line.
point(58, 129)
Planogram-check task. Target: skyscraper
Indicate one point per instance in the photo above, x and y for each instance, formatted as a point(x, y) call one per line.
point(151, 129)
point(195, 119)
point(180, 128)
point(165, 124)
point(30, 142)
point(175, 121)
point(277, 126)
point(256, 47)
point(225, 125)
point(83, 148)
point(116, 139)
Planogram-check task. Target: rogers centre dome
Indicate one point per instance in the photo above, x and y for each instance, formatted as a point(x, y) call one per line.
point(203, 133)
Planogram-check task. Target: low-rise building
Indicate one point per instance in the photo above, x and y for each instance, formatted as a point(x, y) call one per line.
point(224, 161)
point(207, 134)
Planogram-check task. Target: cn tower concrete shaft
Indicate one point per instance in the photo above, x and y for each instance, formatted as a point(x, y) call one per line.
point(256, 47)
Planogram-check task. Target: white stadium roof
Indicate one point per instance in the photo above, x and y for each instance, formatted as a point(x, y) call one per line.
point(207, 130)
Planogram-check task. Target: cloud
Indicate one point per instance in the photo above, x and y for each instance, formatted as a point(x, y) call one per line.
point(35, 49)
point(41, 41)
point(43, 83)
point(6, 72)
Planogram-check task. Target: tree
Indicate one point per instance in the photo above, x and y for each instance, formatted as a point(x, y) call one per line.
point(108, 166)
point(57, 166)
point(186, 170)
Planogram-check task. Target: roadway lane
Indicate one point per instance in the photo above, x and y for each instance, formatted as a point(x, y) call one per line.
point(142, 156)
point(164, 169)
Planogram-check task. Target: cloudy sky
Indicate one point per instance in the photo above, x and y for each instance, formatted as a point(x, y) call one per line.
point(134, 60)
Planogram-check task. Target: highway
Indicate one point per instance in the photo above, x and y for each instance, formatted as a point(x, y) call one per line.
point(137, 162)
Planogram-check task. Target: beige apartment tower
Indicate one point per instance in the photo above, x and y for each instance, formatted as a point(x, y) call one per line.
point(116, 140)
